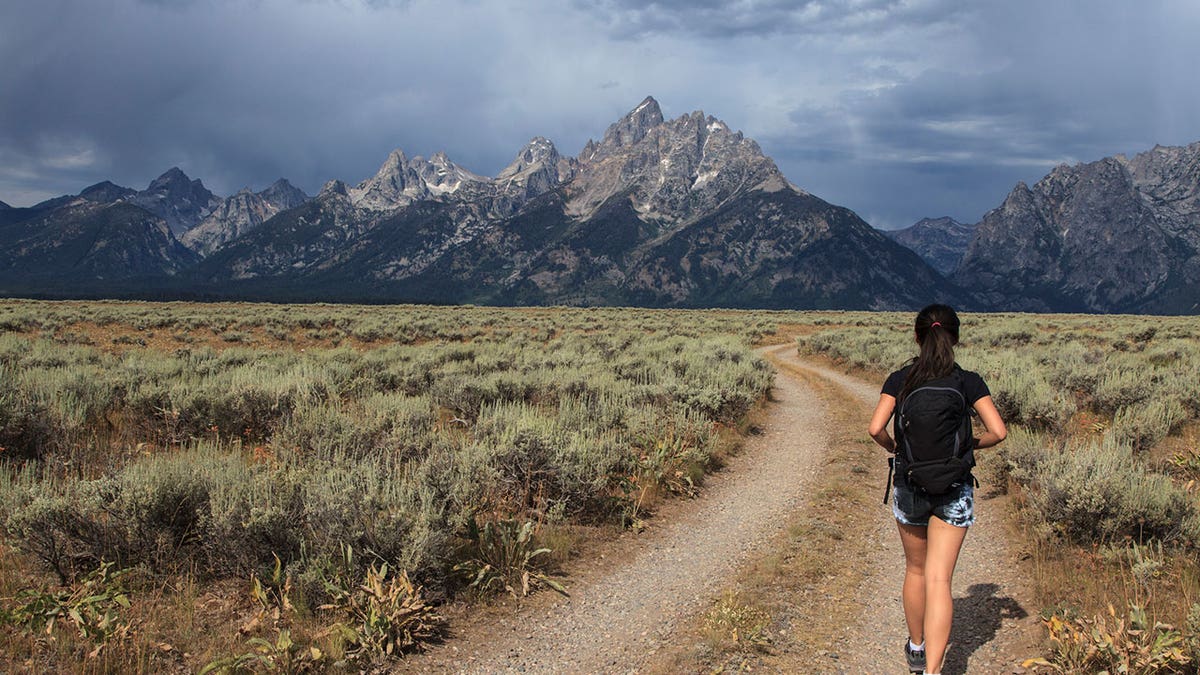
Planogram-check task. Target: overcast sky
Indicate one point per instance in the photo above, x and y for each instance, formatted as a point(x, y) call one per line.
point(896, 109)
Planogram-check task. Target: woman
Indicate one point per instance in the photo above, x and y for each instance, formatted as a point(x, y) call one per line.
point(932, 526)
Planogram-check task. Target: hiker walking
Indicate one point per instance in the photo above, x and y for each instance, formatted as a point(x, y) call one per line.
point(930, 401)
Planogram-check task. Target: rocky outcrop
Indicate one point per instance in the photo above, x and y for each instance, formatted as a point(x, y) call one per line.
point(106, 192)
point(536, 170)
point(283, 195)
point(177, 199)
point(401, 181)
point(240, 214)
point(671, 171)
point(941, 242)
point(1115, 235)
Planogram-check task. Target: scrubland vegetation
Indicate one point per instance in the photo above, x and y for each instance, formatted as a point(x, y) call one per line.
point(303, 488)
point(354, 462)
point(1103, 460)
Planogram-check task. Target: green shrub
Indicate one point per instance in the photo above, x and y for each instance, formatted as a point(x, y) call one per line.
point(385, 616)
point(503, 556)
point(1023, 396)
point(219, 457)
point(1122, 388)
point(1143, 426)
point(1100, 491)
point(1113, 644)
point(93, 605)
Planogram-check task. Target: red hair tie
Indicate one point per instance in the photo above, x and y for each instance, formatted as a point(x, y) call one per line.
point(935, 324)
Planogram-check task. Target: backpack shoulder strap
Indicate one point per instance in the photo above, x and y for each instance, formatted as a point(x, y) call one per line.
point(967, 445)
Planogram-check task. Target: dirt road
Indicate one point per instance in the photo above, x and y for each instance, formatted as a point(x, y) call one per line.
point(619, 618)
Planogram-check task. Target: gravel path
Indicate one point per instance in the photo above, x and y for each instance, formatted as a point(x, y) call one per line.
point(617, 619)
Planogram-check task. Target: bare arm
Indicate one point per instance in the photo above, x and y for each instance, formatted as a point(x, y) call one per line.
point(879, 420)
point(995, 431)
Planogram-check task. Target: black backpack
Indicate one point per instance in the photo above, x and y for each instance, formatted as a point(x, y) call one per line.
point(933, 426)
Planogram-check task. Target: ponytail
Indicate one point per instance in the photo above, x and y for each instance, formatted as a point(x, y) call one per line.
point(937, 332)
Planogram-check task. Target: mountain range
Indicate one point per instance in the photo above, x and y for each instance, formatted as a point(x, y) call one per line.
point(674, 213)
point(1121, 234)
point(682, 213)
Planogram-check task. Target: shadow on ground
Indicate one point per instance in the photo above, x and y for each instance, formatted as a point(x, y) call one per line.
point(977, 619)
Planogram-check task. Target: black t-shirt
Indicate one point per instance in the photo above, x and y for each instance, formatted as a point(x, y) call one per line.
point(974, 388)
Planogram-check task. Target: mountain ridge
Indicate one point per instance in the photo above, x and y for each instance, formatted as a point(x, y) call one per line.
point(1114, 235)
point(638, 217)
point(676, 212)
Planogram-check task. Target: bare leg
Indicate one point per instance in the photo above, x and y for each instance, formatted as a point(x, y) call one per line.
point(944, 543)
point(913, 538)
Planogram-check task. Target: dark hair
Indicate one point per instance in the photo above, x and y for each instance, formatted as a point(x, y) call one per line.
point(937, 333)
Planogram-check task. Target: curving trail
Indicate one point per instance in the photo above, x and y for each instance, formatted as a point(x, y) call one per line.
point(617, 618)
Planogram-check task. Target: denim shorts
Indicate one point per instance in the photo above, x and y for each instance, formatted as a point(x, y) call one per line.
point(956, 507)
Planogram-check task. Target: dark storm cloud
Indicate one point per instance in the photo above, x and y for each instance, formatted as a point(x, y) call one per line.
point(898, 109)
point(232, 92)
point(1032, 90)
point(714, 18)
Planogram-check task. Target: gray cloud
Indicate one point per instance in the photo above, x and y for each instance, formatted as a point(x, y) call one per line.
point(1032, 91)
point(715, 18)
point(897, 109)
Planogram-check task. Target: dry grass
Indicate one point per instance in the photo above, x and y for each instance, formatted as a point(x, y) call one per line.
point(1089, 580)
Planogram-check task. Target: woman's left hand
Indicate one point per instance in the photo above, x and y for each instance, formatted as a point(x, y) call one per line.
point(879, 420)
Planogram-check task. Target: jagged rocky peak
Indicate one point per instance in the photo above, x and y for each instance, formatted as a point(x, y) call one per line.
point(536, 169)
point(171, 178)
point(395, 184)
point(334, 188)
point(1113, 235)
point(105, 192)
point(537, 153)
point(589, 150)
point(401, 181)
point(175, 185)
point(632, 128)
point(670, 169)
point(284, 195)
point(941, 242)
point(177, 199)
point(241, 213)
point(1170, 174)
point(441, 175)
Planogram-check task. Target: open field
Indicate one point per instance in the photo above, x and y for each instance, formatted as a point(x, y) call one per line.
point(195, 445)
